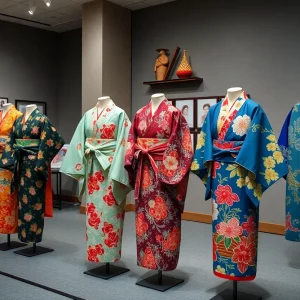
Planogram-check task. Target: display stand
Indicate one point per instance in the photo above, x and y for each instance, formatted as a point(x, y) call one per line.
point(160, 282)
point(235, 295)
point(9, 245)
point(34, 251)
point(106, 271)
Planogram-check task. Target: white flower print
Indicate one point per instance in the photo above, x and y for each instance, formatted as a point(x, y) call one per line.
point(241, 125)
point(142, 125)
point(215, 212)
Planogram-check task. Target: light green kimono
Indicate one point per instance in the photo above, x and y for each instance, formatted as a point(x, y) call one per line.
point(96, 158)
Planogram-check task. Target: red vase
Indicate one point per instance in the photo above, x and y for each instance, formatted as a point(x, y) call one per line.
point(184, 70)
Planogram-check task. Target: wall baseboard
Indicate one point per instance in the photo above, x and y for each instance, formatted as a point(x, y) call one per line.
point(204, 218)
point(67, 198)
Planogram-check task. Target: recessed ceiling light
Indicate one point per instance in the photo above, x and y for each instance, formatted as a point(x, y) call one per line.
point(47, 2)
point(32, 10)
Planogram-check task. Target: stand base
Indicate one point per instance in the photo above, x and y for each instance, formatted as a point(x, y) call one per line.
point(228, 295)
point(29, 251)
point(166, 284)
point(12, 245)
point(100, 272)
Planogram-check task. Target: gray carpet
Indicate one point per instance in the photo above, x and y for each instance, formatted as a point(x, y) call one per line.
point(278, 266)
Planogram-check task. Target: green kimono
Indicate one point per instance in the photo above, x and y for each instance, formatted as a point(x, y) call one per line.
point(30, 148)
point(96, 157)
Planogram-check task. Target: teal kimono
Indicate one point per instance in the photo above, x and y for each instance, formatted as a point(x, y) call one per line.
point(238, 159)
point(96, 157)
point(31, 146)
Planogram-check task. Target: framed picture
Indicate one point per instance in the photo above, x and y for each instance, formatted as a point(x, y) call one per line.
point(203, 106)
point(187, 109)
point(58, 159)
point(21, 106)
point(193, 140)
point(3, 101)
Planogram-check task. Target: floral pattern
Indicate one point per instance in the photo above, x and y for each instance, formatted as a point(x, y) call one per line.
point(98, 147)
point(8, 200)
point(289, 142)
point(235, 179)
point(158, 158)
point(37, 142)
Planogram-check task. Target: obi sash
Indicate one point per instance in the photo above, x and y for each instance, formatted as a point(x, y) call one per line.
point(226, 151)
point(150, 148)
point(27, 149)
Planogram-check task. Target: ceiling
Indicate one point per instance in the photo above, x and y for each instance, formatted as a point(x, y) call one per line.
point(62, 15)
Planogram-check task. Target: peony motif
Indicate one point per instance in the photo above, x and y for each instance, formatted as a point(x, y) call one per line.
point(112, 240)
point(49, 143)
point(171, 163)
point(107, 228)
point(35, 130)
point(173, 240)
point(94, 220)
point(272, 147)
point(148, 260)
point(92, 254)
point(142, 125)
point(195, 166)
point(240, 182)
point(25, 199)
point(231, 229)
point(241, 125)
point(269, 162)
point(159, 210)
point(43, 135)
point(215, 211)
point(27, 217)
point(220, 270)
point(38, 206)
point(250, 225)
point(109, 199)
point(33, 227)
point(277, 155)
point(224, 195)
point(28, 173)
point(271, 175)
point(140, 225)
point(32, 191)
point(108, 131)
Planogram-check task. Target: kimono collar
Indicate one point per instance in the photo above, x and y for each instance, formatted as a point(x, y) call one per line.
point(105, 111)
point(9, 112)
point(164, 102)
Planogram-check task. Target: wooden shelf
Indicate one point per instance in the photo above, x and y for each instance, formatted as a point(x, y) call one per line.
point(195, 80)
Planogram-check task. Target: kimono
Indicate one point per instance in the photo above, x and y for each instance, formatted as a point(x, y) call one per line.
point(238, 158)
point(31, 146)
point(96, 157)
point(8, 200)
point(289, 142)
point(158, 159)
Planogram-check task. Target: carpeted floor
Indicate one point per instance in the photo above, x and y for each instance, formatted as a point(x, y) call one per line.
point(278, 275)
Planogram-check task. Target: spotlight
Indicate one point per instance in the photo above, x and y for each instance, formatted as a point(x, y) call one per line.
point(32, 10)
point(47, 2)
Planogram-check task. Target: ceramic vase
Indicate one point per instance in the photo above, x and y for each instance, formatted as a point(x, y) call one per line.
point(185, 69)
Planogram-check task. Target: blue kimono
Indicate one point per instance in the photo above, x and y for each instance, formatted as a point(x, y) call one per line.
point(289, 142)
point(238, 158)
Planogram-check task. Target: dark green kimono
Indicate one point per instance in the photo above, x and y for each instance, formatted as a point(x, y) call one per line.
point(30, 149)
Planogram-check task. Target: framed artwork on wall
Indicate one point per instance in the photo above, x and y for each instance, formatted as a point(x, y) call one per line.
point(21, 106)
point(203, 106)
point(3, 101)
point(59, 158)
point(186, 106)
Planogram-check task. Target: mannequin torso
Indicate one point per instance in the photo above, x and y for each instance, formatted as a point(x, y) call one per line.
point(156, 100)
point(102, 102)
point(29, 109)
point(6, 107)
point(233, 93)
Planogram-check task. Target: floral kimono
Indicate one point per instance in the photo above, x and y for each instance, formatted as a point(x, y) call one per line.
point(158, 159)
point(31, 146)
point(96, 157)
point(8, 200)
point(289, 142)
point(238, 158)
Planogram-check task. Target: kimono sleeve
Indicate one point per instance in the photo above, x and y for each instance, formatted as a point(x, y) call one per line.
point(201, 165)
point(117, 173)
point(50, 143)
point(8, 159)
point(130, 163)
point(261, 156)
point(73, 163)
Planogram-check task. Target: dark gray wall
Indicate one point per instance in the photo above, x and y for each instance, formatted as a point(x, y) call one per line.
point(231, 43)
point(28, 65)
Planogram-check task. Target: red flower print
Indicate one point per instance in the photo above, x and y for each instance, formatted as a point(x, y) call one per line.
point(112, 240)
point(186, 140)
point(92, 254)
point(94, 220)
point(173, 240)
point(215, 166)
point(170, 164)
point(90, 207)
point(214, 250)
point(108, 131)
point(159, 238)
point(110, 159)
point(107, 228)
point(118, 216)
point(109, 199)
point(289, 225)
point(250, 225)
point(78, 167)
point(158, 208)
point(99, 176)
point(231, 229)
point(50, 143)
point(140, 225)
point(244, 254)
point(99, 249)
point(146, 180)
point(225, 195)
point(35, 130)
point(93, 184)
point(223, 145)
point(79, 147)
point(148, 260)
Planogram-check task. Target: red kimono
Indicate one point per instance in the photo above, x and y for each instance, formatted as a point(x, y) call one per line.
point(158, 159)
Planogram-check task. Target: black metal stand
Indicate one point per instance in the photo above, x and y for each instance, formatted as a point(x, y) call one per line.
point(106, 271)
point(34, 251)
point(58, 188)
point(235, 295)
point(160, 282)
point(9, 245)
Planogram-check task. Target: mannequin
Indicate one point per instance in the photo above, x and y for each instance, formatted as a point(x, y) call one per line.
point(6, 107)
point(102, 102)
point(156, 100)
point(233, 93)
point(29, 109)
